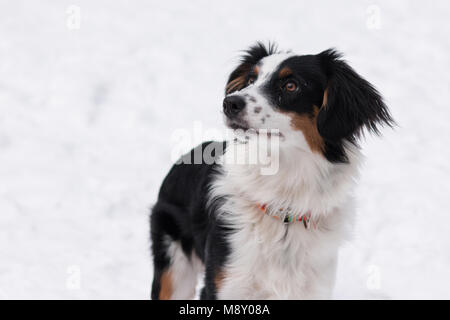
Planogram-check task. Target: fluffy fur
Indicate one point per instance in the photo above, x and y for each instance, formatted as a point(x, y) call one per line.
point(208, 218)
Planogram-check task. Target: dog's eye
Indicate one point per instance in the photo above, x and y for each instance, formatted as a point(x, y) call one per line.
point(251, 80)
point(290, 86)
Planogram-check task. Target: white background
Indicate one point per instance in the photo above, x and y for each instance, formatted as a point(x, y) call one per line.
point(87, 117)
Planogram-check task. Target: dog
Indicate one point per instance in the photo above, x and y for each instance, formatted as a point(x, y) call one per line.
point(273, 236)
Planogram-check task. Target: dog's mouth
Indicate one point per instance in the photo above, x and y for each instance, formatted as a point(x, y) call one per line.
point(237, 125)
point(249, 131)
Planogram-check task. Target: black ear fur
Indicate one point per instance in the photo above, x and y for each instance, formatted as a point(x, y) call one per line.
point(251, 56)
point(352, 104)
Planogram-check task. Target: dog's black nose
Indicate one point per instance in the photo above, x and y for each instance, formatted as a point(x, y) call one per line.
point(233, 105)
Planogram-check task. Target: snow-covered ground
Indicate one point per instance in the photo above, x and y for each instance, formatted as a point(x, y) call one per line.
point(87, 117)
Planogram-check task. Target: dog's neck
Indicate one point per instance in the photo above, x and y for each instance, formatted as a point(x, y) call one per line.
point(304, 182)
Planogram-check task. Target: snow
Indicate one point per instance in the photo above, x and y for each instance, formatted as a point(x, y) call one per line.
point(87, 118)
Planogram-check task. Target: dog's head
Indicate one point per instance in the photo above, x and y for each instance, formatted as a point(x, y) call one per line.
point(317, 101)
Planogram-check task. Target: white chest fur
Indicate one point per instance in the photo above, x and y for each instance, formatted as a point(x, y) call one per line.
point(271, 260)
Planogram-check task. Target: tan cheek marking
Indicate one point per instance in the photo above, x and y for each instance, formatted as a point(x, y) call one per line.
point(166, 286)
point(308, 126)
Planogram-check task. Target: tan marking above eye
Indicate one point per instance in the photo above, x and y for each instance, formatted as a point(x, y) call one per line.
point(285, 72)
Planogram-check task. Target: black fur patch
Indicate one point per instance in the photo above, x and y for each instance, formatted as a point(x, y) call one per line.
point(181, 214)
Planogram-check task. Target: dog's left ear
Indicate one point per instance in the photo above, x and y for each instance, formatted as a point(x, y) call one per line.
point(350, 102)
point(237, 79)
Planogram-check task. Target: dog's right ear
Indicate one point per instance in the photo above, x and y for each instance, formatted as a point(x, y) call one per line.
point(239, 77)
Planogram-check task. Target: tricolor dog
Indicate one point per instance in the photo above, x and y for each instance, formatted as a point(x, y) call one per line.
point(268, 236)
